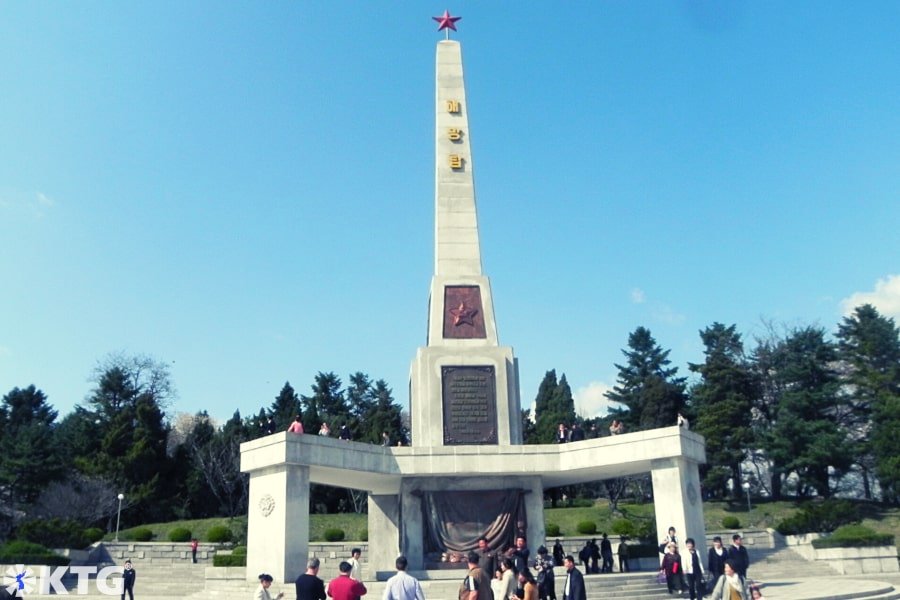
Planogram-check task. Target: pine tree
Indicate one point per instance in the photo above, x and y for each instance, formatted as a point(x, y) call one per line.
point(722, 402)
point(647, 388)
point(545, 414)
point(552, 405)
point(869, 346)
point(383, 416)
point(360, 403)
point(326, 405)
point(806, 437)
point(127, 409)
point(285, 407)
point(29, 458)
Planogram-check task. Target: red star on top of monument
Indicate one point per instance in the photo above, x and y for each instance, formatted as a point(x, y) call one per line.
point(445, 21)
point(463, 315)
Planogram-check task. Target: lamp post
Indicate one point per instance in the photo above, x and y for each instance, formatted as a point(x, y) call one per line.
point(119, 515)
point(746, 487)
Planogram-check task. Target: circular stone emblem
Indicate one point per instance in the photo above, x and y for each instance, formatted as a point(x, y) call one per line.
point(692, 494)
point(266, 505)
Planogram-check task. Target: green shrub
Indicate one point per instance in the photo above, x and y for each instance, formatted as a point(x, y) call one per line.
point(552, 529)
point(731, 522)
point(230, 560)
point(29, 553)
point(364, 535)
point(580, 502)
point(820, 517)
point(646, 531)
point(854, 536)
point(219, 534)
point(239, 551)
point(54, 533)
point(334, 534)
point(586, 527)
point(624, 527)
point(93, 534)
point(180, 534)
point(139, 534)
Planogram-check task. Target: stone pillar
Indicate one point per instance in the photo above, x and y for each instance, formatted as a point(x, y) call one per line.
point(412, 529)
point(278, 522)
point(384, 532)
point(534, 509)
point(677, 502)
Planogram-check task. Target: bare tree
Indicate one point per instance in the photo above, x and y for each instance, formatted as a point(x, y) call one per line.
point(86, 499)
point(615, 490)
point(145, 374)
point(219, 462)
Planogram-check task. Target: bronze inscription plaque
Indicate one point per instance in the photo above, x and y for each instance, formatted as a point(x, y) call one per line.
point(470, 405)
point(463, 314)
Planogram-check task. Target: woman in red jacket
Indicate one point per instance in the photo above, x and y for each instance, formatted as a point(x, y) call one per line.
point(672, 566)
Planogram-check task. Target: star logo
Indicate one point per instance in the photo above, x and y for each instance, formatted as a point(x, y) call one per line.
point(19, 580)
point(445, 21)
point(462, 315)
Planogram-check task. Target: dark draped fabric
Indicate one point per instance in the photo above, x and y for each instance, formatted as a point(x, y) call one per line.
point(455, 520)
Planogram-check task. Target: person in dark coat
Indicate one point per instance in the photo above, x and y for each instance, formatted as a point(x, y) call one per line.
point(671, 564)
point(308, 586)
point(606, 554)
point(487, 560)
point(559, 554)
point(623, 555)
point(520, 554)
point(128, 577)
point(716, 558)
point(544, 566)
point(737, 554)
point(574, 586)
point(584, 555)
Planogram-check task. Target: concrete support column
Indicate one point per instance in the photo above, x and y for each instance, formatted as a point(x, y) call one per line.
point(412, 528)
point(384, 532)
point(676, 500)
point(534, 509)
point(278, 522)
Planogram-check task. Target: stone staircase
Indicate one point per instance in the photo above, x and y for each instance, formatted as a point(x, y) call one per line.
point(168, 574)
point(783, 563)
point(773, 568)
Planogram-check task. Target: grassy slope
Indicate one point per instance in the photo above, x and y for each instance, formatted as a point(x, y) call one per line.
point(764, 514)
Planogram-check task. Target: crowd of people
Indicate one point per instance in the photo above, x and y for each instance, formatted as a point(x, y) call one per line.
point(268, 427)
point(575, 433)
point(510, 574)
point(724, 577)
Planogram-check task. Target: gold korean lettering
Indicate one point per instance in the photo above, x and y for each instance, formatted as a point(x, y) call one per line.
point(452, 106)
point(454, 134)
point(456, 161)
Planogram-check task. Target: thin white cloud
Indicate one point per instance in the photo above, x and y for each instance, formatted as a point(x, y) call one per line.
point(41, 204)
point(660, 312)
point(591, 401)
point(5, 352)
point(885, 298)
point(35, 205)
point(666, 314)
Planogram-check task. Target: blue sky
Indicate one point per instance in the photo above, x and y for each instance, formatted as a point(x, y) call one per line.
point(245, 190)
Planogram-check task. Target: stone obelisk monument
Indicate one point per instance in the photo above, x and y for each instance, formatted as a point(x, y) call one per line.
point(463, 379)
point(467, 473)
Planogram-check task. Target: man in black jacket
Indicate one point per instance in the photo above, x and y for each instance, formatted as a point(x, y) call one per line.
point(128, 577)
point(738, 555)
point(308, 586)
point(574, 587)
